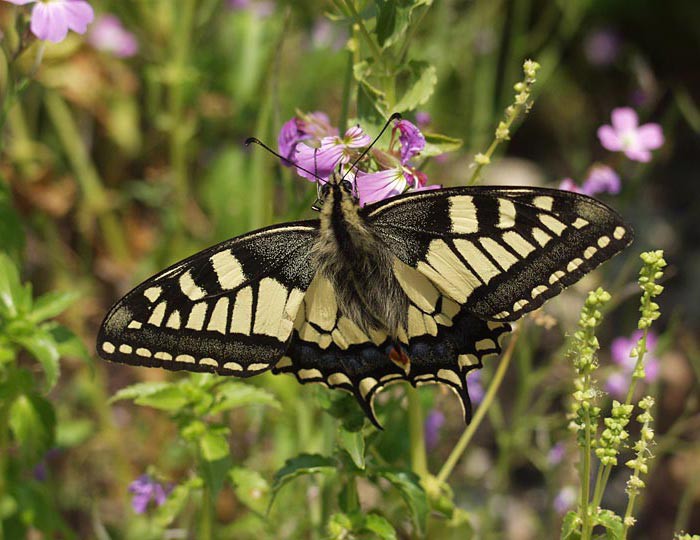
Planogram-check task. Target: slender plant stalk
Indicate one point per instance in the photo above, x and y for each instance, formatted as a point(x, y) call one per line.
point(206, 517)
point(586, 469)
point(90, 183)
point(416, 427)
point(466, 437)
point(179, 128)
point(376, 52)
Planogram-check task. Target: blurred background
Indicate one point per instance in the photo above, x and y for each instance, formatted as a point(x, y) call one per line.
point(124, 155)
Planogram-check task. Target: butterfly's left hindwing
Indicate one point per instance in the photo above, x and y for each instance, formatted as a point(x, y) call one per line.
point(229, 309)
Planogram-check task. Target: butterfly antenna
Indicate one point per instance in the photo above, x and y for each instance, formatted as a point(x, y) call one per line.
point(254, 140)
point(395, 116)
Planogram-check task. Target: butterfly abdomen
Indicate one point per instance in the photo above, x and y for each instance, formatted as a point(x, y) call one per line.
point(359, 267)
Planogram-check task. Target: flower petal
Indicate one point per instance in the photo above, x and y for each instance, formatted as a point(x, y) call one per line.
point(638, 154)
point(624, 119)
point(567, 184)
point(412, 140)
point(78, 15)
point(601, 179)
point(355, 137)
point(651, 136)
point(609, 138)
point(321, 161)
point(49, 22)
point(372, 187)
point(290, 135)
point(20, 2)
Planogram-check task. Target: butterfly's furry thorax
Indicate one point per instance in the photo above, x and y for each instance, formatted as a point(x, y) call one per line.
point(358, 264)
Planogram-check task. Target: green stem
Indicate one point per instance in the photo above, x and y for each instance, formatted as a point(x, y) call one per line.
point(180, 130)
point(345, 103)
point(4, 439)
point(376, 52)
point(89, 180)
point(586, 469)
point(461, 445)
point(419, 460)
point(206, 515)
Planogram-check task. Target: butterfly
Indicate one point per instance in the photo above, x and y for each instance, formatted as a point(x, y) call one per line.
point(420, 287)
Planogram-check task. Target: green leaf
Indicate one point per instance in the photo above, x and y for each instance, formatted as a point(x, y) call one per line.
point(42, 347)
point(571, 526)
point(413, 494)
point(301, 465)
point(379, 527)
point(51, 304)
point(213, 445)
point(70, 433)
point(171, 398)
point(612, 522)
point(419, 86)
point(251, 488)
point(166, 513)
point(68, 344)
point(386, 20)
point(353, 442)
point(10, 288)
point(32, 421)
point(139, 390)
point(237, 394)
point(216, 460)
point(439, 144)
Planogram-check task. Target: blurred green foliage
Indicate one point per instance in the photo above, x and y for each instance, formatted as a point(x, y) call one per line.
point(113, 168)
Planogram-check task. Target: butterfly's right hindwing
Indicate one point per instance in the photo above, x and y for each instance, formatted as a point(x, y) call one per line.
point(229, 309)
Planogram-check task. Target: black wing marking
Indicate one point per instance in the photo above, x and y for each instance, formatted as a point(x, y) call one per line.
point(229, 309)
point(499, 252)
point(441, 345)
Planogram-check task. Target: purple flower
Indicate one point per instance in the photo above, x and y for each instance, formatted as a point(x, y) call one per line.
point(568, 184)
point(332, 152)
point(261, 9)
point(602, 47)
point(108, 34)
point(617, 384)
point(626, 135)
point(621, 352)
point(376, 186)
point(423, 118)
point(432, 426)
point(51, 20)
point(476, 390)
point(621, 348)
point(556, 454)
point(290, 135)
point(411, 139)
point(565, 499)
point(145, 490)
point(601, 179)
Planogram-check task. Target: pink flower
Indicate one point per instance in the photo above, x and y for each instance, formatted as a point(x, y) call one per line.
point(332, 152)
point(602, 47)
point(145, 490)
point(51, 21)
point(372, 187)
point(315, 125)
point(568, 184)
point(601, 179)
point(423, 118)
point(411, 139)
point(626, 135)
point(565, 499)
point(432, 426)
point(108, 34)
point(621, 352)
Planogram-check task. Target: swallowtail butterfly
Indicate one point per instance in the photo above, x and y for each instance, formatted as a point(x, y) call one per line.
point(420, 287)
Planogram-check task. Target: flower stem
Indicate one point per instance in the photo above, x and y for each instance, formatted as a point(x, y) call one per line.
point(180, 130)
point(376, 52)
point(586, 469)
point(461, 445)
point(206, 515)
point(419, 460)
point(345, 103)
point(93, 191)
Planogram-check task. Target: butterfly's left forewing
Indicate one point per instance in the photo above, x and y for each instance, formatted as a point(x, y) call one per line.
point(229, 309)
point(499, 252)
